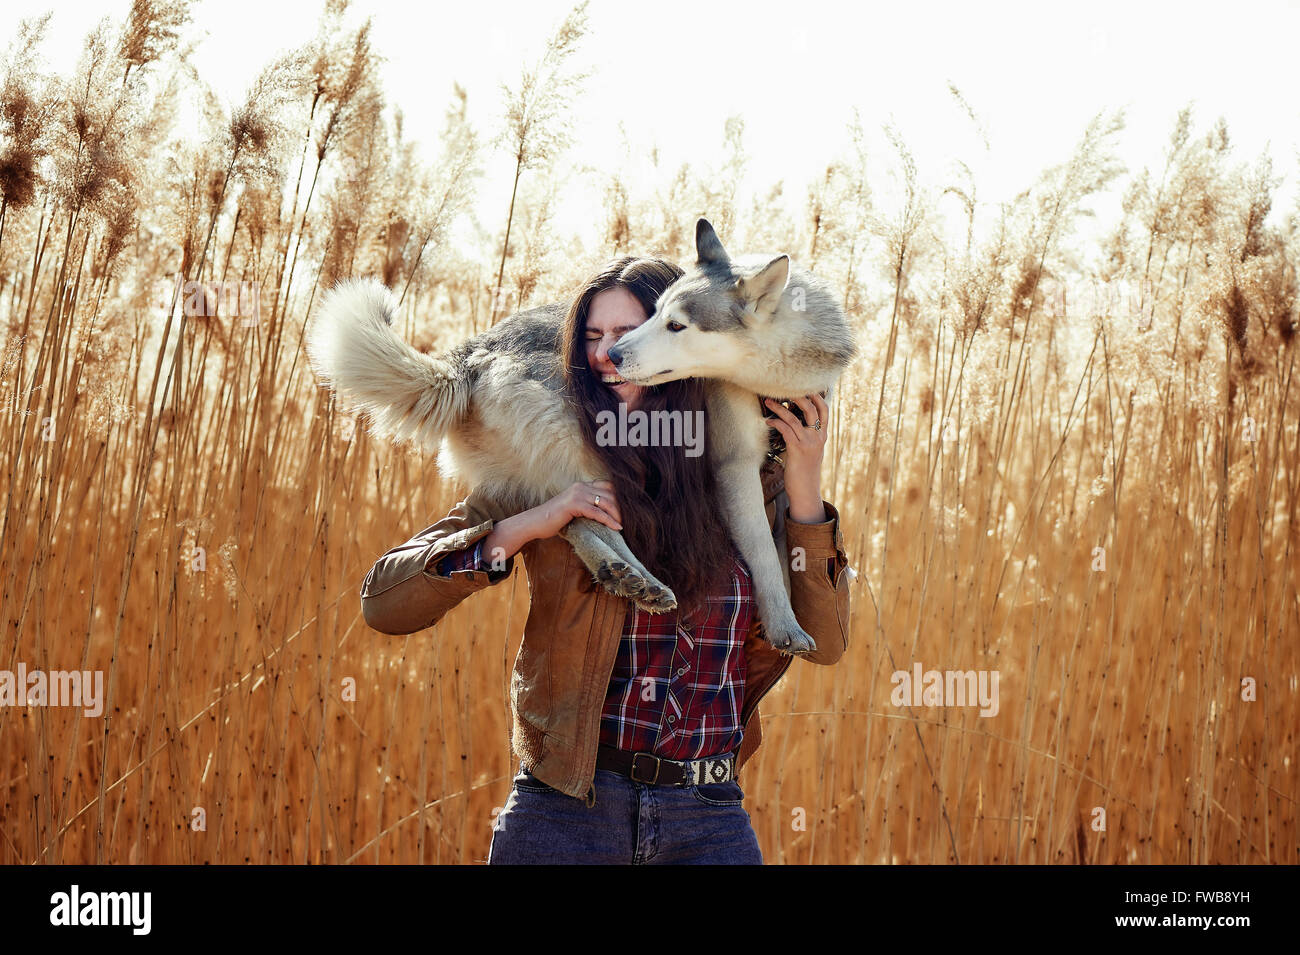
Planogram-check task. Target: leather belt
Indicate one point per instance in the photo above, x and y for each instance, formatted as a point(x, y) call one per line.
point(648, 768)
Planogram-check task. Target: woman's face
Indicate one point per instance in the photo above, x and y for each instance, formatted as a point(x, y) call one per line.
point(613, 313)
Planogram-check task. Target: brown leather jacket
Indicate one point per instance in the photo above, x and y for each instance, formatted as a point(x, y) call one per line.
point(571, 637)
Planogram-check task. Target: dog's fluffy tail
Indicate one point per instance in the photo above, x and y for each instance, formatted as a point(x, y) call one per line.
point(352, 347)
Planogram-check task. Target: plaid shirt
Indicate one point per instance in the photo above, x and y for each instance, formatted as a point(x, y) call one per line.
point(678, 685)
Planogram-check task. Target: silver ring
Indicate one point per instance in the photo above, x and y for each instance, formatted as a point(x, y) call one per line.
point(818, 425)
point(598, 500)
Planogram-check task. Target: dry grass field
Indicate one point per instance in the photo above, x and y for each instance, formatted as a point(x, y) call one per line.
point(1072, 462)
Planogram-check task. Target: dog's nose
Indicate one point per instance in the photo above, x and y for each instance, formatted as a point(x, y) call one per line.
point(615, 356)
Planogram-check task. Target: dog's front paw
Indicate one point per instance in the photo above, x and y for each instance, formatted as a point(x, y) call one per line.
point(657, 600)
point(613, 572)
point(623, 580)
point(791, 640)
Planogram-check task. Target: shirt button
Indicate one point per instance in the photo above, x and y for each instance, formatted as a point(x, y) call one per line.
point(681, 670)
point(672, 719)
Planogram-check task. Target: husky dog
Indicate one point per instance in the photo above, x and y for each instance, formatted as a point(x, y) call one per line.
point(753, 325)
point(494, 410)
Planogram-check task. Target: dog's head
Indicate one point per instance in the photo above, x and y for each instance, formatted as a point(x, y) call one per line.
point(705, 323)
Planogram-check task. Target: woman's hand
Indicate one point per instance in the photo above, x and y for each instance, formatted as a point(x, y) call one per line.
point(547, 519)
point(593, 499)
point(805, 444)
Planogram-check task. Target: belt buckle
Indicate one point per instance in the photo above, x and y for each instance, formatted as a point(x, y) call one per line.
point(633, 772)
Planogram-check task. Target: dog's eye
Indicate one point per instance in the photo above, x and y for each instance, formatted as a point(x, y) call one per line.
point(676, 327)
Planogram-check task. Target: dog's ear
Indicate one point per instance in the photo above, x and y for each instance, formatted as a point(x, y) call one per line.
point(708, 247)
point(762, 292)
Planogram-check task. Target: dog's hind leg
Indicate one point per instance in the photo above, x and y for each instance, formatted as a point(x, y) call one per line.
point(605, 553)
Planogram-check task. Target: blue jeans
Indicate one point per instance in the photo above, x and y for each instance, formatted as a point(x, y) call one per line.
point(631, 824)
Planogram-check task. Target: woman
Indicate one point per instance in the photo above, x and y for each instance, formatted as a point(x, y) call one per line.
point(631, 727)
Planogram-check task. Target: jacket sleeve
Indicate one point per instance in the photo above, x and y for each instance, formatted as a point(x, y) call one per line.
point(819, 582)
point(465, 559)
point(404, 592)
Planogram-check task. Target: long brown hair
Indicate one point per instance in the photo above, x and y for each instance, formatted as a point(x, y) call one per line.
point(667, 499)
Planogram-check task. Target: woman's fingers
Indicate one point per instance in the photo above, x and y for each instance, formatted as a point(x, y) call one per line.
point(822, 413)
point(604, 490)
point(795, 430)
point(814, 410)
point(784, 413)
point(611, 508)
point(599, 512)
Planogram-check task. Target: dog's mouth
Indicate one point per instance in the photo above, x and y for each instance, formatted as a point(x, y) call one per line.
point(657, 378)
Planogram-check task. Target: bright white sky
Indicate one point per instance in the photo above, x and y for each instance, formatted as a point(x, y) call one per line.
point(672, 71)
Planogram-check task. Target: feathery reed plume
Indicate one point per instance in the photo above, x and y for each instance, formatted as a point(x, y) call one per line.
point(1279, 295)
point(26, 110)
point(676, 238)
point(450, 194)
point(537, 126)
point(539, 245)
point(617, 235)
point(855, 196)
point(901, 231)
point(719, 190)
point(1249, 256)
point(819, 218)
point(978, 282)
point(967, 193)
point(1055, 203)
point(90, 155)
point(152, 31)
point(344, 87)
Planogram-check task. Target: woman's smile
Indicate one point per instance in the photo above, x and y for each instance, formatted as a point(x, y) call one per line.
point(613, 313)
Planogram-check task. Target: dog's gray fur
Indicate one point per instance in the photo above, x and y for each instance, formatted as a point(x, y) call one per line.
point(491, 408)
point(494, 410)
